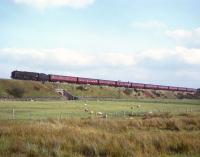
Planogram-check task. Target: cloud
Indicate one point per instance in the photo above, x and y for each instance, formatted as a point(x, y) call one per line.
point(66, 58)
point(139, 67)
point(157, 54)
point(189, 55)
point(42, 4)
point(71, 59)
point(149, 24)
point(179, 54)
point(188, 38)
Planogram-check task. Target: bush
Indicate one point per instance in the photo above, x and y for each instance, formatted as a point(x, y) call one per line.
point(135, 89)
point(37, 88)
point(82, 88)
point(17, 92)
point(180, 96)
point(156, 93)
point(128, 91)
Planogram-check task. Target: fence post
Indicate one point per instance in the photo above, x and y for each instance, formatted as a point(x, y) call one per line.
point(13, 113)
point(60, 115)
point(29, 115)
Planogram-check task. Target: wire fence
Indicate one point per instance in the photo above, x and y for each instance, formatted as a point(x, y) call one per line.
point(35, 114)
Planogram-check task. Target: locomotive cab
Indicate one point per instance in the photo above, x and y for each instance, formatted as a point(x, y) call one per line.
point(43, 77)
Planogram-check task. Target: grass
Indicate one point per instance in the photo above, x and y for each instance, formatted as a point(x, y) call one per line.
point(64, 129)
point(156, 136)
point(55, 109)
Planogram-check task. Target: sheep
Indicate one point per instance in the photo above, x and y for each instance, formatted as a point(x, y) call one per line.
point(99, 113)
point(138, 106)
point(86, 110)
point(150, 112)
point(105, 116)
point(91, 112)
point(85, 104)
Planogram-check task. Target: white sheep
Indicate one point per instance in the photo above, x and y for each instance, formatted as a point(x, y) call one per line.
point(138, 106)
point(85, 104)
point(91, 112)
point(150, 112)
point(99, 113)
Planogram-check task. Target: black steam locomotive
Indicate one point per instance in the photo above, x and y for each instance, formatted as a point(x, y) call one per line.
point(23, 75)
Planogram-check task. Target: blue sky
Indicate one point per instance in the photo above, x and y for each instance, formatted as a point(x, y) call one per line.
point(154, 41)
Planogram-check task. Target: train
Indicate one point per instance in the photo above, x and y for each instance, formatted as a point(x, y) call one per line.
point(24, 75)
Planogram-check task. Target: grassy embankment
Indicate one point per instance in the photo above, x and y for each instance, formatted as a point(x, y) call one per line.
point(37, 89)
point(29, 88)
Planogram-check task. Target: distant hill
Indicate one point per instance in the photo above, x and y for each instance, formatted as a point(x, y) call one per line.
point(33, 89)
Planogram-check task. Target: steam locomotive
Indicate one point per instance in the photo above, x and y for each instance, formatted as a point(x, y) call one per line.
point(23, 75)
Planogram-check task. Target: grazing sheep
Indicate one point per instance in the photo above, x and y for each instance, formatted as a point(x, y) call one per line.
point(138, 106)
point(91, 112)
point(105, 116)
point(99, 113)
point(85, 104)
point(150, 112)
point(86, 110)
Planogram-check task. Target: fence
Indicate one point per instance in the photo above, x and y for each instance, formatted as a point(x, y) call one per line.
point(23, 114)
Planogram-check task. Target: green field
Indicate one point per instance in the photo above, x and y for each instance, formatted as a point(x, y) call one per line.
point(66, 109)
point(158, 128)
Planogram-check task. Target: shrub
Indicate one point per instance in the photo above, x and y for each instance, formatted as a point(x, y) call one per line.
point(82, 88)
point(37, 88)
point(156, 93)
point(180, 96)
point(128, 91)
point(135, 89)
point(17, 92)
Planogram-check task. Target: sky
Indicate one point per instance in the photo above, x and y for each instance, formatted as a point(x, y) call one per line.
point(147, 41)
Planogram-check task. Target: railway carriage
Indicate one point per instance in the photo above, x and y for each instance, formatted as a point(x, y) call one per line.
point(191, 90)
point(123, 84)
point(160, 87)
point(173, 88)
point(82, 80)
point(58, 78)
point(182, 89)
point(137, 85)
point(150, 86)
point(107, 82)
